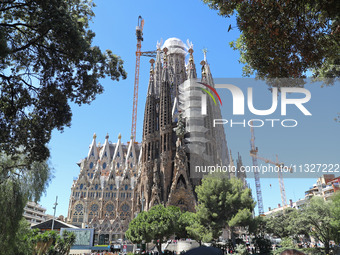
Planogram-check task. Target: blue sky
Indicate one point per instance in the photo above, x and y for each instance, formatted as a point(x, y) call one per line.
point(315, 140)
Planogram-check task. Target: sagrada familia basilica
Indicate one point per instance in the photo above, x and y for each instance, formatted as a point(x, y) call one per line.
point(117, 180)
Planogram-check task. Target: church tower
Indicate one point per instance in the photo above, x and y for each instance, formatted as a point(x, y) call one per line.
point(118, 180)
point(165, 125)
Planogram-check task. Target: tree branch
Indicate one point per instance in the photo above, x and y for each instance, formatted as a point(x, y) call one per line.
point(30, 43)
point(13, 6)
point(15, 25)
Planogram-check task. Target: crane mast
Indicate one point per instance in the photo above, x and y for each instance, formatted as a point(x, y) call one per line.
point(281, 182)
point(139, 34)
point(253, 153)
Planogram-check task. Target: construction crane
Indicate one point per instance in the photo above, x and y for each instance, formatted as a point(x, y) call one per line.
point(253, 153)
point(139, 34)
point(139, 53)
point(281, 182)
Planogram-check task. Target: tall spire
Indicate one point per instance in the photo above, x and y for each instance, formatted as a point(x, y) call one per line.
point(191, 68)
point(150, 118)
point(165, 116)
point(165, 73)
point(158, 70)
point(206, 74)
point(165, 96)
point(151, 88)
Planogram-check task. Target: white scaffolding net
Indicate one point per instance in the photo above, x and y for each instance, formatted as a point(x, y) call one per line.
point(190, 106)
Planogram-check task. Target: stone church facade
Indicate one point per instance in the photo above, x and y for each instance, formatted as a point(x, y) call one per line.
point(116, 180)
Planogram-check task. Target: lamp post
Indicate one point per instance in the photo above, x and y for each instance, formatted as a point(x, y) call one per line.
point(55, 208)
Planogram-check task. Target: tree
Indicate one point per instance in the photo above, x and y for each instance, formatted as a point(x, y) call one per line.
point(285, 38)
point(285, 224)
point(316, 215)
point(197, 231)
point(223, 202)
point(17, 186)
point(21, 243)
point(47, 60)
point(185, 220)
point(158, 224)
point(258, 226)
point(12, 204)
point(62, 244)
point(138, 229)
point(241, 249)
point(335, 215)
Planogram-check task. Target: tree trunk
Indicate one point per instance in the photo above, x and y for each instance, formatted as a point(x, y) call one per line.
point(159, 247)
point(233, 237)
point(326, 247)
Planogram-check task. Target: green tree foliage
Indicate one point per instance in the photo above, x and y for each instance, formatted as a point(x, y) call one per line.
point(195, 229)
point(63, 244)
point(158, 224)
point(21, 244)
point(47, 60)
point(335, 215)
point(29, 241)
point(285, 224)
point(223, 202)
point(258, 226)
point(263, 245)
point(185, 219)
point(287, 242)
point(12, 203)
point(241, 249)
point(285, 38)
point(18, 184)
point(317, 217)
point(139, 229)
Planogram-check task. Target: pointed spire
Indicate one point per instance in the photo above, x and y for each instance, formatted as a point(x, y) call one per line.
point(151, 88)
point(118, 156)
point(158, 70)
point(192, 68)
point(105, 151)
point(131, 154)
point(206, 74)
point(93, 151)
point(231, 159)
point(165, 73)
point(150, 108)
point(205, 50)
